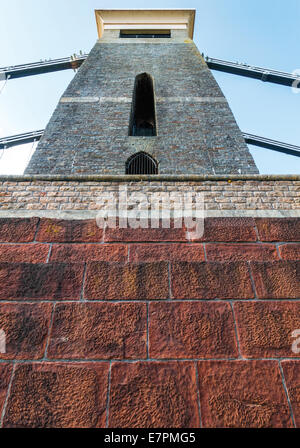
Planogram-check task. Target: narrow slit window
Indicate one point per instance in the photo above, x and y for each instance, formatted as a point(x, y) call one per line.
point(141, 163)
point(142, 120)
point(144, 34)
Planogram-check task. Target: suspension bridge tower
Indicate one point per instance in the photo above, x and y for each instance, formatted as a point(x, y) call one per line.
point(144, 102)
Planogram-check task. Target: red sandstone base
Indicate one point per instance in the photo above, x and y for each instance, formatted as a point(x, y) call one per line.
point(142, 328)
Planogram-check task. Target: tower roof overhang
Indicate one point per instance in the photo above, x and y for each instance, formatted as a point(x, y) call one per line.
point(168, 19)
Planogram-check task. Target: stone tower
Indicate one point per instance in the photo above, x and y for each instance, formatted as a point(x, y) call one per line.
point(144, 102)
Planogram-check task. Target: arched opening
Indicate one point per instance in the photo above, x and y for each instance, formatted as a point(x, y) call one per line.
point(142, 120)
point(141, 163)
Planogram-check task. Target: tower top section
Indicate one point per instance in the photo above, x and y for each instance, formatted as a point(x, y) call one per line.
point(145, 19)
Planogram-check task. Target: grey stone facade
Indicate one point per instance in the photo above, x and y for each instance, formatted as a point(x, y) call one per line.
point(248, 195)
point(196, 130)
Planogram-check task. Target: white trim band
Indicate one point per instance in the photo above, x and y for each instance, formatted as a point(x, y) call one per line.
point(91, 214)
point(125, 99)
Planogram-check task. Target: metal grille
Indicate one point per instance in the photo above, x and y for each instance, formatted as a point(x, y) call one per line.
point(141, 163)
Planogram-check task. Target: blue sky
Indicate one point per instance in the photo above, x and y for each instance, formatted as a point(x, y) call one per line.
point(264, 33)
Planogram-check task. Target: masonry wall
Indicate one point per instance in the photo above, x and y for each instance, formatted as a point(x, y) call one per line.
point(142, 328)
point(84, 195)
point(197, 132)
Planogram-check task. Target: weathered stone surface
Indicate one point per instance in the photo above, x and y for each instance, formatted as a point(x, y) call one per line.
point(291, 370)
point(99, 331)
point(115, 281)
point(229, 229)
point(69, 231)
point(245, 195)
point(236, 252)
point(55, 281)
point(72, 389)
point(24, 253)
point(145, 234)
point(290, 251)
point(51, 395)
point(166, 252)
point(277, 229)
point(153, 395)
point(277, 280)
point(265, 328)
point(5, 375)
point(75, 253)
point(191, 330)
point(242, 394)
point(211, 281)
point(17, 230)
point(26, 329)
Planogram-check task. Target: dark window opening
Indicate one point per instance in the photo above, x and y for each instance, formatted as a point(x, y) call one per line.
point(142, 120)
point(134, 34)
point(141, 163)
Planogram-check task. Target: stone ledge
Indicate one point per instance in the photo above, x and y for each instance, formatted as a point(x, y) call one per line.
point(152, 178)
point(91, 214)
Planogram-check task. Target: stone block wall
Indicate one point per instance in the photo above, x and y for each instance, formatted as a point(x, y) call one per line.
point(83, 194)
point(142, 328)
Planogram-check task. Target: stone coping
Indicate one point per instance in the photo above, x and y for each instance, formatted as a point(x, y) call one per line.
point(91, 214)
point(152, 178)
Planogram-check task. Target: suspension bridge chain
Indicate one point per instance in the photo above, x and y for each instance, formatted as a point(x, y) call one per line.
point(37, 68)
point(75, 61)
point(263, 74)
point(286, 148)
point(20, 139)
point(262, 142)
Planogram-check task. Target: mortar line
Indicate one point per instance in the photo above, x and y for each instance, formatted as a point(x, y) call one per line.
point(83, 283)
point(256, 232)
point(108, 395)
point(236, 330)
point(49, 253)
point(144, 360)
point(24, 243)
point(287, 394)
point(147, 343)
point(252, 280)
point(205, 254)
point(49, 330)
point(277, 251)
point(7, 395)
point(169, 279)
point(36, 230)
point(198, 395)
point(145, 242)
point(208, 301)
